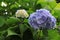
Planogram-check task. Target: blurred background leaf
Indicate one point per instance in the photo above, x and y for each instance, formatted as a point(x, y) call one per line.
point(2, 21)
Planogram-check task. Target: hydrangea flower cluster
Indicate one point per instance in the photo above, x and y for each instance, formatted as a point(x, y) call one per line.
point(22, 13)
point(42, 18)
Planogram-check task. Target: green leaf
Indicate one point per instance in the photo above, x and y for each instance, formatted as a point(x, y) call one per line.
point(2, 21)
point(57, 10)
point(48, 7)
point(15, 29)
point(16, 5)
point(1, 37)
point(42, 2)
point(12, 20)
point(30, 11)
point(26, 20)
point(11, 33)
point(23, 28)
point(53, 35)
point(52, 3)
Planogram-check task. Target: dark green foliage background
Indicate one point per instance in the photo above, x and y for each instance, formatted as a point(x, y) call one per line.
point(12, 28)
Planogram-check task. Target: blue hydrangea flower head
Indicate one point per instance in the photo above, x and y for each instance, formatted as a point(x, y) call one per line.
point(42, 19)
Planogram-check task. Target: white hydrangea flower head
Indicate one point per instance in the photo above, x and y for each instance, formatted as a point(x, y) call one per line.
point(22, 13)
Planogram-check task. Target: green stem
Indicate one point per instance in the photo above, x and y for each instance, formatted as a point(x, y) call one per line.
point(21, 36)
point(39, 34)
point(45, 34)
